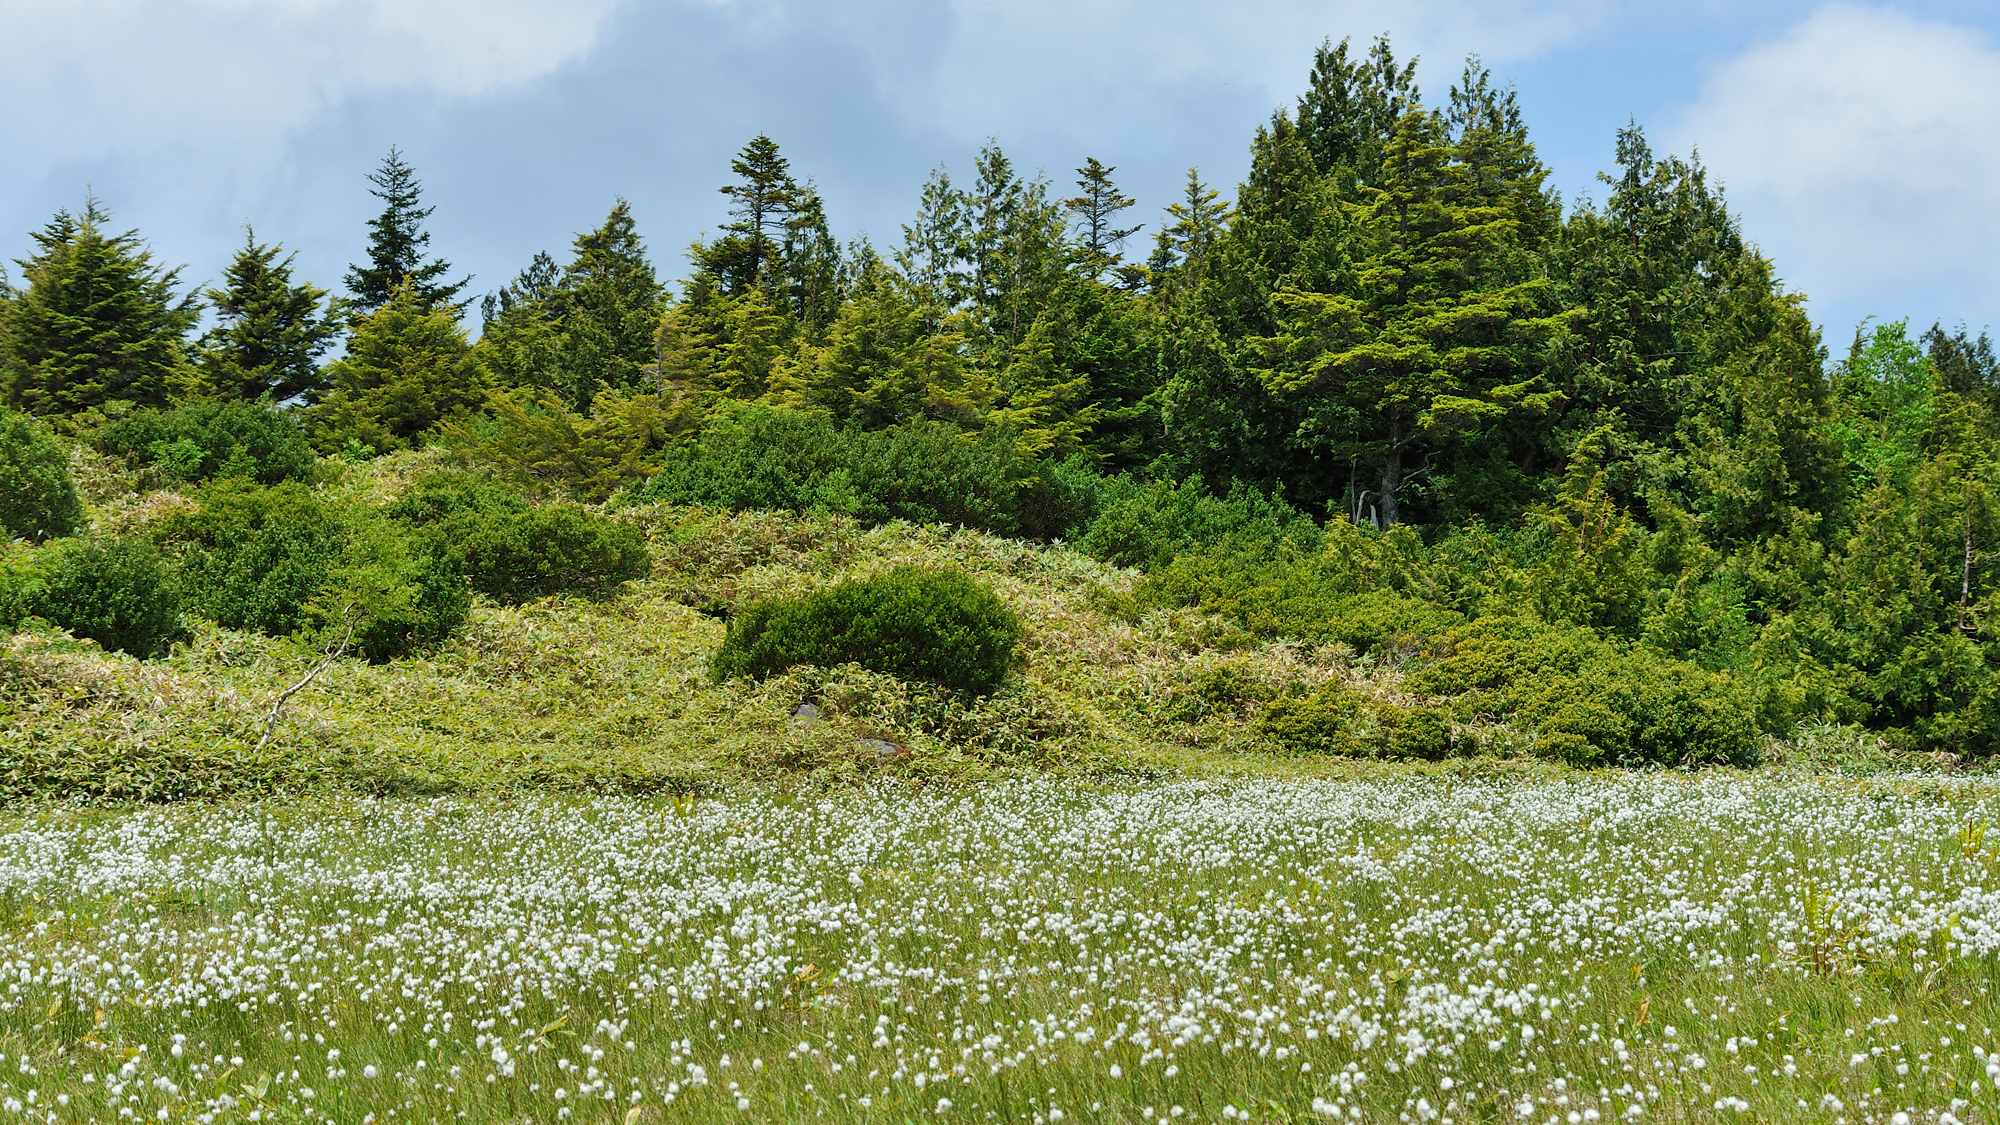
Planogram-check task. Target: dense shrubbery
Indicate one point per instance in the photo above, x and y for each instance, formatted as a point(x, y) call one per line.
point(200, 441)
point(1591, 701)
point(514, 557)
point(933, 626)
point(512, 552)
point(754, 457)
point(115, 592)
point(283, 562)
point(38, 500)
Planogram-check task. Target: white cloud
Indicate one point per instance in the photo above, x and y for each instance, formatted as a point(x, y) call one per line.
point(1010, 66)
point(1858, 149)
point(98, 76)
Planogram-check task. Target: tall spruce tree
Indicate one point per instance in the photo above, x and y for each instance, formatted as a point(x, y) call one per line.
point(397, 242)
point(99, 322)
point(1097, 208)
point(269, 332)
point(1436, 343)
point(763, 201)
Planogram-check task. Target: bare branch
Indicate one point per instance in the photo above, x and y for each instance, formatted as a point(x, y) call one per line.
point(332, 654)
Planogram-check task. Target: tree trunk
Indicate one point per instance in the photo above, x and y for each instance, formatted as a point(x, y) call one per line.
point(1392, 476)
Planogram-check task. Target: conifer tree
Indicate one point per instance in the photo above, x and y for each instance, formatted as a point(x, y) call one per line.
point(397, 243)
point(764, 199)
point(1098, 234)
point(1199, 221)
point(270, 332)
point(408, 367)
point(99, 322)
point(1435, 342)
point(1349, 110)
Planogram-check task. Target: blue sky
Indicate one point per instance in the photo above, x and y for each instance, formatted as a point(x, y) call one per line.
point(1855, 139)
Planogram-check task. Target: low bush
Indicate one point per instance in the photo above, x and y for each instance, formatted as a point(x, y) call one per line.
point(202, 441)
point(113, 591)
point(1148, 525)
point(932, 626)
point(752, 458)
point(281, 561)
point(515, 553)
point(251, 557)
point(514, 557)
point(1336, 720)
point(38, 500)
point(1593, 701)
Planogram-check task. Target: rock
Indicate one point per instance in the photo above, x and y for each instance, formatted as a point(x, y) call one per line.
point(884, 747)
point(807, 712)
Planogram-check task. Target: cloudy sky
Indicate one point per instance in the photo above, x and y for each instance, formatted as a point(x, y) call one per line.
point(1856, 140)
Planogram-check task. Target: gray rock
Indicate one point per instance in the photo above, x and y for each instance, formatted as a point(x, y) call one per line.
point(806, 713)
point(882, 746)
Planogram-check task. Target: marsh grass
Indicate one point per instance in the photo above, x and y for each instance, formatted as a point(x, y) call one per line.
point(1616, 947)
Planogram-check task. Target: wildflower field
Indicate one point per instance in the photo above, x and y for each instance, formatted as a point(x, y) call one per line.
point(1399, 948)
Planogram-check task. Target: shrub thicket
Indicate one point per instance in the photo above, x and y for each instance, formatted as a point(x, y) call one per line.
point(755, 457)
point(1593, 701)
point(38, 500)
point(116, 592)
point(283, 562)
point(512, 552)
point(513, 557)
point(933, 626)
point(201, 441)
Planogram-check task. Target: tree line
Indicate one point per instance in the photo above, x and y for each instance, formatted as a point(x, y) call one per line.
point(1394, 326)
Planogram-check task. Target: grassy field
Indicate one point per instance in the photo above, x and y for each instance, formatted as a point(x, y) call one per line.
point(1399, 948)
point(550, 871)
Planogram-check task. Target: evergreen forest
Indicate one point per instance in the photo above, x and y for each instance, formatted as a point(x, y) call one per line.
point(1584, 471)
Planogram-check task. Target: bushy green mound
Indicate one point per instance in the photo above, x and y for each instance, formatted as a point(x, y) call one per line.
point(283, 562)
point(1337, 720)
point(38, 500)
point(1592, 701)
point(515, 553)
point(759, 458)
point(513, 557)
point(118, 593)
point(915, 623)
point(201, 441)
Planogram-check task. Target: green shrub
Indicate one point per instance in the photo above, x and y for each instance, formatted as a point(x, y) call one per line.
point(282, 562)
point(38, 500)
point(1334, 720)
point(513, 557)
point(401, 594)
point(1321, 723)
point(202, 441)
point(752, 457)
point(933, 626)
point(116, 592)
point(251, 557)
point(1148, 525)
point(440, 496)
point(1593, 701)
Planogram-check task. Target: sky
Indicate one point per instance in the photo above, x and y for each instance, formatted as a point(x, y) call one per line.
point(1853, 139)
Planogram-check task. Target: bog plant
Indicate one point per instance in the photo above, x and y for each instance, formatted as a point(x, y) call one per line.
point(915, 623)
point(38, 500)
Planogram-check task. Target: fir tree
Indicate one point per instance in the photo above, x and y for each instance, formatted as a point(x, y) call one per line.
point(408, 367)
point(763, 200)
point(270, 332)
point(1435, 342)
point(98, 323)
point(397, 242)
point(1098, 234)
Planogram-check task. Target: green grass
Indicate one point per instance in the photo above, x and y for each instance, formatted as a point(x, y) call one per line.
point(1479, 951)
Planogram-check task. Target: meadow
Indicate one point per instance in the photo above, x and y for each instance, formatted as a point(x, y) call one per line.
point(1405, 947)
